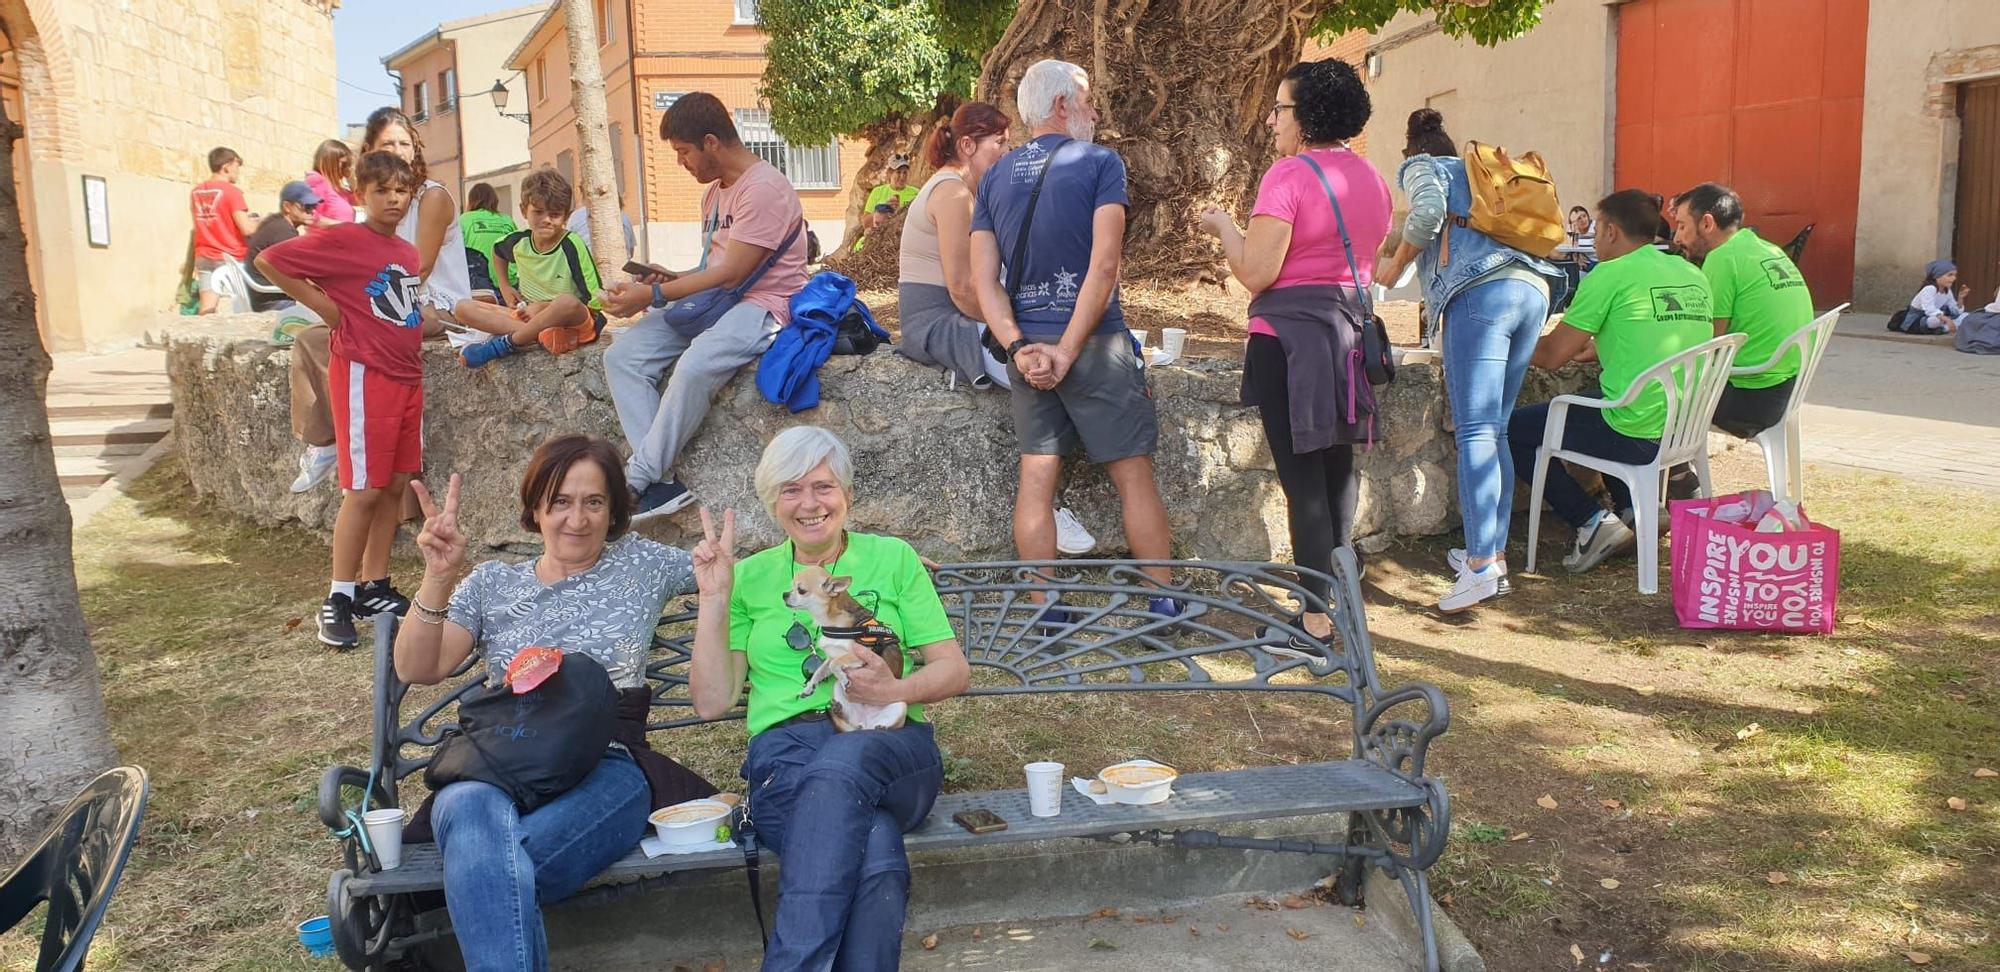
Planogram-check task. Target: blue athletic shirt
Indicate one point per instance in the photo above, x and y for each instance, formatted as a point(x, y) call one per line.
point(1085, 177)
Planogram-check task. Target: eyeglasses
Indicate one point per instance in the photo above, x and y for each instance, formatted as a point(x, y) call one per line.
point(801, 639)
point(1282, 106)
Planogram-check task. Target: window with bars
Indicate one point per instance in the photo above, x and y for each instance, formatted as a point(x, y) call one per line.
point(808, 167)
point(746, 11)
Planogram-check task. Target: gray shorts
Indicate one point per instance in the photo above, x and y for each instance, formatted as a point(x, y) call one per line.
point(1104, 403)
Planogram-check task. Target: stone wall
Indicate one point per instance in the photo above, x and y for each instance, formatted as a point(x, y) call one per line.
point(934, 465)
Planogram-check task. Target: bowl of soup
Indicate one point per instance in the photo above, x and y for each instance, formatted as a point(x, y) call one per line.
point(689, 824)
point(1138, 782)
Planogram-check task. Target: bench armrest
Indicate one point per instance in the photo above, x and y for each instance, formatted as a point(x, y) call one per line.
point(1400, 744)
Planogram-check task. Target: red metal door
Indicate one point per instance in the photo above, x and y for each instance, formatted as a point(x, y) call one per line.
point(1761, 95)
point(1977, 243)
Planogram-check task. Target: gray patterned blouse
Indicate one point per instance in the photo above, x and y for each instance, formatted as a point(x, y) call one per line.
point(608, 612)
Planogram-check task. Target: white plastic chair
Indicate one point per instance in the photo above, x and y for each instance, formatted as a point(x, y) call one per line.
point(1693, 380)
point(232, 287)
point(1781, 442)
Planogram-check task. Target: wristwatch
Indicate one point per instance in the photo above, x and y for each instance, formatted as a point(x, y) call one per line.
point(659, 299)
point(1015, 348)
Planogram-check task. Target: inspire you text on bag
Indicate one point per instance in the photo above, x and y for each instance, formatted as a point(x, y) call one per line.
point(1739, 564)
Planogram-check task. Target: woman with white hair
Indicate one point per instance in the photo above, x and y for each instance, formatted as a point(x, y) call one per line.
point(846, 883)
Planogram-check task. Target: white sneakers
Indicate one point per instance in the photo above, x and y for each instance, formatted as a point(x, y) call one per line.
point(314, 467)
point(1473, 586)
point(1071, 537)
point(1455, 559)
point(1603, 536)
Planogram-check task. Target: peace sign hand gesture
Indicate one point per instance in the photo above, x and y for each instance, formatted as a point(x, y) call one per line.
point(715, 556)
point(441, 543)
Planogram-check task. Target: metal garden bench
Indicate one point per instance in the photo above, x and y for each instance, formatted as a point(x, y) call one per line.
point(1232, 637)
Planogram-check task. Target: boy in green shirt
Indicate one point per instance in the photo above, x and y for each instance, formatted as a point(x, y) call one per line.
point(557, 305)
point(1758, 292)
point(1638, 308)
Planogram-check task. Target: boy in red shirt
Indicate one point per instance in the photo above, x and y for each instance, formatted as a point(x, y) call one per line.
point(361, 278)
point(223, 222)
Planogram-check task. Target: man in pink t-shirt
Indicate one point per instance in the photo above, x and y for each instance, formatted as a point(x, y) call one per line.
point(752, 226)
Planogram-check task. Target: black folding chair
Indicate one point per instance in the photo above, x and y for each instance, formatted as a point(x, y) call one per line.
point(1797, 247)
point(76, 866)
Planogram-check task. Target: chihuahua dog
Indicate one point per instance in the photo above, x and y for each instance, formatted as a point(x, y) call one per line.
point(846, 628)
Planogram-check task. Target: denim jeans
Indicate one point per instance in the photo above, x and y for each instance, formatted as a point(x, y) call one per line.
point(1585, 432)
point(1490, 333)
point(835, 807)
point(500, 867)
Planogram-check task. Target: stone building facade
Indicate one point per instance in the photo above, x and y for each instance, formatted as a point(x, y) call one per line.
point(652, 51)
point(446, 78)
point(136, 94)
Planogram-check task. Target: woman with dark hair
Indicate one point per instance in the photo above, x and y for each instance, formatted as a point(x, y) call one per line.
point(597, 590)
point(332, 180)
point(484, 225)
point(1320, 209)
point(1489, 300)
point(941, 319)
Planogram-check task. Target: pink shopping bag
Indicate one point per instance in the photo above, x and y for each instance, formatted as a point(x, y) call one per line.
point(1725, 573)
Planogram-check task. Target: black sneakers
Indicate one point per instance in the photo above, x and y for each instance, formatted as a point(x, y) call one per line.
point(377, 597)
point(661, 499)
point(336, 622)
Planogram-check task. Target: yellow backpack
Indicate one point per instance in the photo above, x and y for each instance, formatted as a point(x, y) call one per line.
point(1513, 199)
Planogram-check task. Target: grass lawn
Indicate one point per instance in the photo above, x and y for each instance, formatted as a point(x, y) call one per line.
point(1821, 841)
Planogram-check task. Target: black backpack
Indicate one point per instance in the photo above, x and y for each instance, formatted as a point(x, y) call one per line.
point(536, 746)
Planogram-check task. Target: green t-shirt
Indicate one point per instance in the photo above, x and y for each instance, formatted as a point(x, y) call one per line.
point(1644, 307)
point(889, 579)
point(880, 194)
point(546, 276)
point(482, 228)
point(1756, 286)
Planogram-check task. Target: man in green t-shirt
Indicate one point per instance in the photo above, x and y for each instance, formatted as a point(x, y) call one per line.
point(1637, 308)
point(1758, 293)
point(897, 186)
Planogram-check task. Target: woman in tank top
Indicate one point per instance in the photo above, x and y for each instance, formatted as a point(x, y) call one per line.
point(939, 311)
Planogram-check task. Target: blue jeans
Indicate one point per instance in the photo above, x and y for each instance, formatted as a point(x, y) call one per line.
point(500, 867)
point(1585, 432)
point(835, 807)
point(1490, 333)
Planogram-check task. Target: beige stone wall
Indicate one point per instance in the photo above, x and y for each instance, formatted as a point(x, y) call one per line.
point(138, 93)
point(1909, 137)
point(1549, 90)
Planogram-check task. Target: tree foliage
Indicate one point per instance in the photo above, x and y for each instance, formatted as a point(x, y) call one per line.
point(836, 66)
point(1487, 23)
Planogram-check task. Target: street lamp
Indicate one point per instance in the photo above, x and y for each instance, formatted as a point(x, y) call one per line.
point(499, 94)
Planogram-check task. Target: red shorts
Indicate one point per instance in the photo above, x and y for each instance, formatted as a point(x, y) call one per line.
point(378, 424)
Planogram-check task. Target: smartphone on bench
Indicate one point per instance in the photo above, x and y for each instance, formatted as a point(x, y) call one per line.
point(979, 821)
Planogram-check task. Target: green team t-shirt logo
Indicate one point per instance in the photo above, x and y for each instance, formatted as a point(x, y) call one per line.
point(1686, 302)
point(1782, 274)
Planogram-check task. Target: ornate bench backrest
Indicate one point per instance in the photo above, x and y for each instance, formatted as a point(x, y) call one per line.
point(1234, 615)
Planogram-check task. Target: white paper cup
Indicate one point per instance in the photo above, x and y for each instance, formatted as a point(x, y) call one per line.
point(1045, 781)
point(1141, 336)
point(385, 834)
point(1173, 340)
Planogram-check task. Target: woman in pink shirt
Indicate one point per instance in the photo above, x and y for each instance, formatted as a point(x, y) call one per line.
point(1308, 264)
point(332, 179)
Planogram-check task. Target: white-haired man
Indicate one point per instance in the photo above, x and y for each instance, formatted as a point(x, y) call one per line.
point(1052, 212)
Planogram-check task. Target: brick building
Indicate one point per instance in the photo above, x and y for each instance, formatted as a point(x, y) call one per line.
point(446, 78)
point(1876, 123)
point(135, 95)
point(652, 51)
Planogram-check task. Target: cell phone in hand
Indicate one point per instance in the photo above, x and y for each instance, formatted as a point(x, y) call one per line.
point(979, 821)
point(637, 269)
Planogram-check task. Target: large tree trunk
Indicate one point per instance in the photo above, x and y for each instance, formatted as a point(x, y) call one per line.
point(53, 736)
point(596, 174)
point(1182, 87)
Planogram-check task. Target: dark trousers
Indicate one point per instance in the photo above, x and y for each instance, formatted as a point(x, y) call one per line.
point(1321, 488)
point(1585, 431)
point(1744, 412)
point(835, 807)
